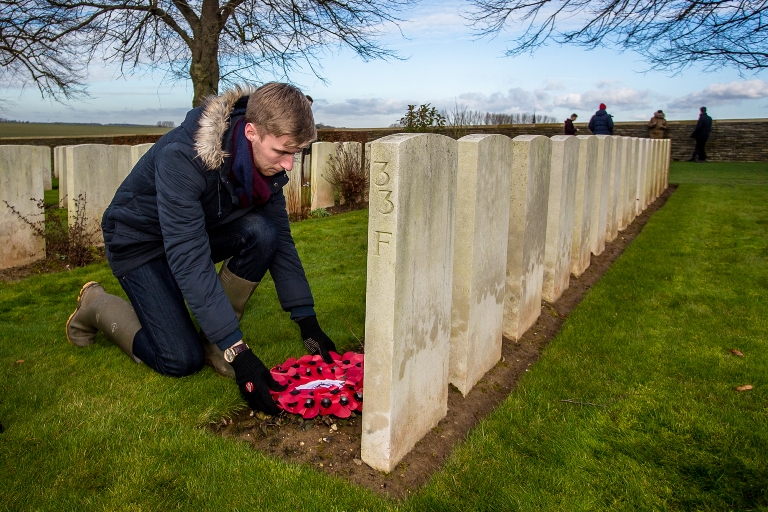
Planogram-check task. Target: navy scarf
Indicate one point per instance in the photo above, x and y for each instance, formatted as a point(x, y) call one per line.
point(251, 187)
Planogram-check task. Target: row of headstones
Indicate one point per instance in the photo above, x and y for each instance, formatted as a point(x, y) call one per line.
point(465, 238)
point(89, 175)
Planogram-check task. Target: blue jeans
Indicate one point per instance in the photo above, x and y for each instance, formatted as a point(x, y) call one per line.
point(168, 341)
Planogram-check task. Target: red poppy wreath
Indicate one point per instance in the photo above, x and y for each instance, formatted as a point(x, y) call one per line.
point(317, 388)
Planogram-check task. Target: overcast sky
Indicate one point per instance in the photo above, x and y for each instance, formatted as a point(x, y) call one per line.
point(445, 65)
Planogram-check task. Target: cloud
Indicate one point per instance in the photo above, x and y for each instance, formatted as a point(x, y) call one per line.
point(624, 98)
point(357, 107)
point(516, 100)
point(721, 94)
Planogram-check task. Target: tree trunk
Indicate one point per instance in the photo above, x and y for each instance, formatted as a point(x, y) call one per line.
point(204, 69)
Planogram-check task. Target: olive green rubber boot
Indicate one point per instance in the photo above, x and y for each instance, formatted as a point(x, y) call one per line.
point(238, 291)
point(99, 311)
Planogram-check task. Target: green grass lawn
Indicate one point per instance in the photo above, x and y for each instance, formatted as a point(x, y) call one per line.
point(85, 429)
point(73, 130)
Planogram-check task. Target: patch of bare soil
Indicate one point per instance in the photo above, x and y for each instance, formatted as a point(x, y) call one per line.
point(44, 266)
point(348, 207)
point(333, 445)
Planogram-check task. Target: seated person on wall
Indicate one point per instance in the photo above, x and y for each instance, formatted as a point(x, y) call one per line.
point(210, 190)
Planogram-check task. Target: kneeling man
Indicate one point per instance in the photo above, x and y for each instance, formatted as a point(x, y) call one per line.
point(210, 190)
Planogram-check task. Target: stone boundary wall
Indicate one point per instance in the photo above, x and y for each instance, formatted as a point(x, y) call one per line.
point(732, 140)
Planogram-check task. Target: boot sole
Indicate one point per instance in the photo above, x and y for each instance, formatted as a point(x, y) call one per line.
point(79, 302)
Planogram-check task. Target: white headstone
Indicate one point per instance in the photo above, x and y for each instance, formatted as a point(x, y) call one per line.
point(527, 233)
point(480, 256)
point(605, 144)
point(581, 249)
point(322, 191)
point(563, 187)
point(642, 163)
point(667, 158)
point(137, 151)
point(60, 171)
point(94, 171)
point(408, 294)
point(21, 185)
point(614, 204)
point(45, 163)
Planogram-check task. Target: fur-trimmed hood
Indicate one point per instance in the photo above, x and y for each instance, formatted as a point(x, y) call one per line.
point(214, 123)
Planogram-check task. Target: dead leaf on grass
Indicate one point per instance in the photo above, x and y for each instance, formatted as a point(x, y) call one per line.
point(745, 387)
point(19, 361)
point(736, 352)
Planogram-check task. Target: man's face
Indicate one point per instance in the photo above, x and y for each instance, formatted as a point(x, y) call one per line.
point(270, 154)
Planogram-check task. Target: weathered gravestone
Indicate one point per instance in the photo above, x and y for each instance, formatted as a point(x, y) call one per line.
point(581, 250)
point(563, 187)
point(605, 145)
point(480, 256)
point(626, 178)
point(45, 164)
point(21, 185)
point(60, 171)
point(137, 151)
point(94, 171)
point(321, 189)
point(614, 204)
point(408, 294)
point(665, 165)
point(527, 232)
point(642, 163)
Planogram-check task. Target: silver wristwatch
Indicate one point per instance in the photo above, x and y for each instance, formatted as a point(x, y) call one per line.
point(231, 353)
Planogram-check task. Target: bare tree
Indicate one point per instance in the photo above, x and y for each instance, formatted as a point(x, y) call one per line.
point(31, 52)
point(670, 34)
point(209, 41)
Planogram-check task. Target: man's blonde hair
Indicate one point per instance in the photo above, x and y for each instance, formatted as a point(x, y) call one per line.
point(282, 109)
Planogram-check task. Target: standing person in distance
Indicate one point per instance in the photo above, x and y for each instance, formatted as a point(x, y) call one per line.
point(701, 134)
point(602, 122)
point(569, 128)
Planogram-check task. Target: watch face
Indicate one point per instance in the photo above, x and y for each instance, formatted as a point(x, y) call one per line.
point(229, 355)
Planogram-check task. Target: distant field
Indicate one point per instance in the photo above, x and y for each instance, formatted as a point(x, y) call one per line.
point(55, 130)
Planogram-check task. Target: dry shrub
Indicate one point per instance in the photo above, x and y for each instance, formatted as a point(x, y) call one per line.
point(297, 201)
point(71, 243)
point(347, 174)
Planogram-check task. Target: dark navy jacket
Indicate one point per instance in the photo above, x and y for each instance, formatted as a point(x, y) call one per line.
point(178, 191)
point(601, 123)
point(703, 127)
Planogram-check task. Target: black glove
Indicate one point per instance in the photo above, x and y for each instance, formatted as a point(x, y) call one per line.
point(316, 341)
point(255, 381)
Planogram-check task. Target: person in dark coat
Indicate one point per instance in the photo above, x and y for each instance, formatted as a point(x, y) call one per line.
point(701, 134)
point(602, 122)
point(210, 190)
point(569, 128)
